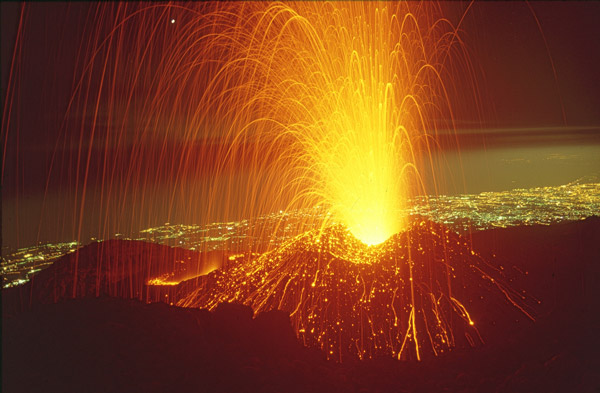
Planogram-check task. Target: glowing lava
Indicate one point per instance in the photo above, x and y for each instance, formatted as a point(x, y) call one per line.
point(408, 297)
point(245, 108)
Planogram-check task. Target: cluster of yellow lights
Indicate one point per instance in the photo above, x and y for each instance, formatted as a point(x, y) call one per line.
point(165, 279)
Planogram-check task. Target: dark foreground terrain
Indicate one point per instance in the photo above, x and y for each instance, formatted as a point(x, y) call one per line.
point(121, 345)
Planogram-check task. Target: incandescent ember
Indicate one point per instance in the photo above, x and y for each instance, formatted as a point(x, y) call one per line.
point(409, 297)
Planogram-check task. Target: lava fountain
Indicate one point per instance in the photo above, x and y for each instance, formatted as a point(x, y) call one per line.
point(241, 109)
point(345, 98)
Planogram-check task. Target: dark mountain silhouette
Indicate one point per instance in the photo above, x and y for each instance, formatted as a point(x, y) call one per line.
point(110, 344)
point(120, 268)
point(355, 301)
point(561, 261)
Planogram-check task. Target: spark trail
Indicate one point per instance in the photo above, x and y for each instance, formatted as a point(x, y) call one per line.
point(242, 109)
point(408, 297)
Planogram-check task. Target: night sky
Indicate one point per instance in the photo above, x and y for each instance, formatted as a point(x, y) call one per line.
point(525, 112)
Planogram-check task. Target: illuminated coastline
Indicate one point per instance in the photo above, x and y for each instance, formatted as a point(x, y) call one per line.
point(460, 213)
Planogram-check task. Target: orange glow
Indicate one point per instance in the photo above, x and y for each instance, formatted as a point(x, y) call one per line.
point(249, 108)
point(397, 298)
point(162, 281)
point(238, 110)
point(333, 104)
point(345, 93)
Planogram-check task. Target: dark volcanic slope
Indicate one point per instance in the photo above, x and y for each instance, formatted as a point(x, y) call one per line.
point(121, 345)
point(118, 268)
point(562, 261)
point(421, 293)
point(116, 345)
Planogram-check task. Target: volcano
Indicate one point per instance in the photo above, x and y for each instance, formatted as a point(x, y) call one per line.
point(111, 344)
point(411, 297)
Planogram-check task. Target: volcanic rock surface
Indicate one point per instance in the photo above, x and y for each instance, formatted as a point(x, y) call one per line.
point(119, 268)
point(110, 344)
point(411, 297)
